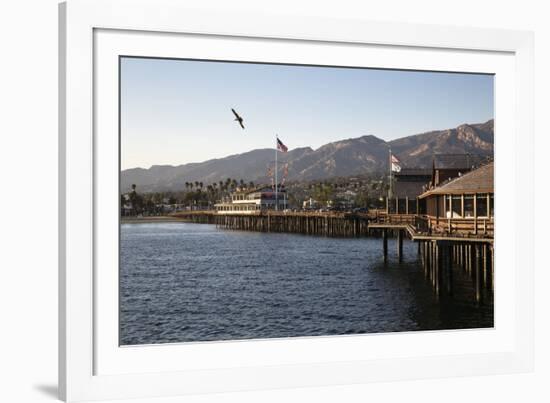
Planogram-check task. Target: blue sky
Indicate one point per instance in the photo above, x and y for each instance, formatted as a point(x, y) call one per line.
point(177, 111)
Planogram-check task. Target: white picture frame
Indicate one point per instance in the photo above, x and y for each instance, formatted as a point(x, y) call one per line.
point(92, 366)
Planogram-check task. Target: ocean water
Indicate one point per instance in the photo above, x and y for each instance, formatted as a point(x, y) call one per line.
point(183, 282)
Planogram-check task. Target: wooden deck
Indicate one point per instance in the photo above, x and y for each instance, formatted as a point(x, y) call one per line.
point(416, 235)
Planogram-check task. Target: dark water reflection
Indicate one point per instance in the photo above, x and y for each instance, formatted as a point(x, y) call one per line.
point(193, 282)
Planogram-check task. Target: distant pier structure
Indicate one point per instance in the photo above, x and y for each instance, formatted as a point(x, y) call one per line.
point(253, 201)
point(329, 224)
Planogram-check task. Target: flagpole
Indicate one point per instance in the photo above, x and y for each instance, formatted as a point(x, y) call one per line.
point(276, 180)
point(390, 190)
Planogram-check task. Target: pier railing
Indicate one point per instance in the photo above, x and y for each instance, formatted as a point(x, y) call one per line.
point(463, 225)
point(421, 223)
point(429, 224)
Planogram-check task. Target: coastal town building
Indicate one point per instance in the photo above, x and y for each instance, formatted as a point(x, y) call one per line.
point(344, 200)
point(409, 183)
point(126, 207)
point(310, 204)
point(464, 204)
point(253, 201)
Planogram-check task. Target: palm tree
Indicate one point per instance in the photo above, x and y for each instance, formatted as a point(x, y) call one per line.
point(200, 184)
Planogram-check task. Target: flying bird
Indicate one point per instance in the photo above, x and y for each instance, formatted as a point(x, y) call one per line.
point(237, 117)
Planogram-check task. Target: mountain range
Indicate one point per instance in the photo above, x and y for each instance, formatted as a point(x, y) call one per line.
point(354, 156)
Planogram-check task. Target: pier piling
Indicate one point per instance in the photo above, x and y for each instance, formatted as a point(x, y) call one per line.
point(385, 244)
point(449, 269)
point(477, 273)
point(438, 265)
point(400, 245)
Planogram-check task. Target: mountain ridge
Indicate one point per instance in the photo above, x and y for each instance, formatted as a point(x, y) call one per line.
point(347, 157)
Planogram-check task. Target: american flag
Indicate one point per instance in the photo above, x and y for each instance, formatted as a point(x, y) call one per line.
point(281, 147)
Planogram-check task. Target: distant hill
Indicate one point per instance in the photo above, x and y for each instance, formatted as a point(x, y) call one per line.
point(417, 150)
point(362, 155)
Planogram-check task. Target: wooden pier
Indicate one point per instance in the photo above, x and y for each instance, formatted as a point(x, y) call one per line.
point(319, 224)
point(440, 254)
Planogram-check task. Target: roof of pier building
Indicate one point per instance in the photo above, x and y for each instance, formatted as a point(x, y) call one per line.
point(263, 188)
point(479, 180)
point(450, 166)
point(413, 182)
point(463, 161)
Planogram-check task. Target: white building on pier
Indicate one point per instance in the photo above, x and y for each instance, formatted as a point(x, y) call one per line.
point(254, 201)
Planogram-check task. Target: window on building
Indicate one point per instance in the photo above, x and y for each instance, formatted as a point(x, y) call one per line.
point(412, 206)
point(481, 205)
point(456, 206)
point(442, 203)
point(391, 206)
point(468, 205)
point(402, 205)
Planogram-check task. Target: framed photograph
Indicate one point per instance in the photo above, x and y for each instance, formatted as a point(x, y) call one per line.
point(256, 201)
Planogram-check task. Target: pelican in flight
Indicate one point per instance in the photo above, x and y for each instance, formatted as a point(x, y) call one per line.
point(237, 117)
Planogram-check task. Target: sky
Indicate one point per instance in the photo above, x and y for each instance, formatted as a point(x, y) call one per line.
point(179, 111)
